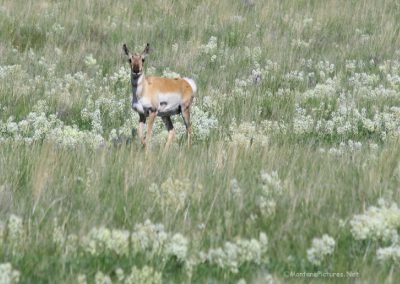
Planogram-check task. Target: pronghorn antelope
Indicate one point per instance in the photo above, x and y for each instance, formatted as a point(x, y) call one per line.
point(158, 96)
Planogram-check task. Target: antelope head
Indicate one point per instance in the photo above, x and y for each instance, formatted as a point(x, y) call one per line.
point(136, 60)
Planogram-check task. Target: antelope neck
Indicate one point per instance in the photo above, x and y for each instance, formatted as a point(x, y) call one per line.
point(136, 82)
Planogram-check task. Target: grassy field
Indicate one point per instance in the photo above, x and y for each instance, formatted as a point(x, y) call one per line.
point(294, 172)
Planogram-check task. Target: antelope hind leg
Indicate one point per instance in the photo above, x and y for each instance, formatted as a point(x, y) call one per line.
point(171, 131)
point(188, 124)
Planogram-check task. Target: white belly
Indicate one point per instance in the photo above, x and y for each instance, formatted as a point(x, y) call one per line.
point(169, 103)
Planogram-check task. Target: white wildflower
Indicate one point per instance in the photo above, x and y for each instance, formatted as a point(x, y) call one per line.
point(210, 46)
point(90, 60)
point(8, 275)
point(58, 236)
point(391, 253)
point(177, 246)
point(101, 278)
point(104, 240)
point(175, 47)
point(271, 183)
point(81, 279)
point(119, 242)
point(320, 248)
point(377, 223)
point(149, 238)
point(234, 254)
point(146, 275)
point(235, 188)
point(15, 231)
point(120, 274)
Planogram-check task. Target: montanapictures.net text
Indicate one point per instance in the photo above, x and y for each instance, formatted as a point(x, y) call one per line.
point(321, 274)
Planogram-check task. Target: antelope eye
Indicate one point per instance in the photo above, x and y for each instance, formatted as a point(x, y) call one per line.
point(142, 59)
point(130, 60)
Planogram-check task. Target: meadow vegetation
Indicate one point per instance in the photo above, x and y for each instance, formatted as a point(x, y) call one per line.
point(295, 162)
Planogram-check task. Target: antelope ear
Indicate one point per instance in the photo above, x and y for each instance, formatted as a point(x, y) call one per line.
point(126, 50)
point(146, 50)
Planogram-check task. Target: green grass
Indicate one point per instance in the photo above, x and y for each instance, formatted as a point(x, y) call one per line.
point(83, 187)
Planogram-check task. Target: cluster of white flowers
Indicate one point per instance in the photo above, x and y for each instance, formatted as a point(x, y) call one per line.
point(271, 184)
point(14, 79)
point(210, 49)
point(295, 76)
point(234, 254)
point(349, 146)
point(347, 120)
point(101, 278)
point(202, 123)
point(55, 30)
point(90, 61)
point(328, 89)
point(72, 136)
point(391, 253)
point(247, 134)
point(303, 123)
point(148, 239)
point(301, 44)
point(320, 249)
point(311, 70)
point(8, 69)
point(177, 246)
point(39, 126)
point(120, 76)
point(15, 230)
point(8, 275)
point(103, 240)
point(145, 275)
point(173, 194)
point(378, 223)
point(58, 235)
point(211, 45)
point(271, 188)
point(339, 108)
point(359, 80)
point(244, 85)
point(152, 240)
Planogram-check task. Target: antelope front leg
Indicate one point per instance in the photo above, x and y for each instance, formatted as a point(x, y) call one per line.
point(150, 123)
point(188, 124)
point(142, 121)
